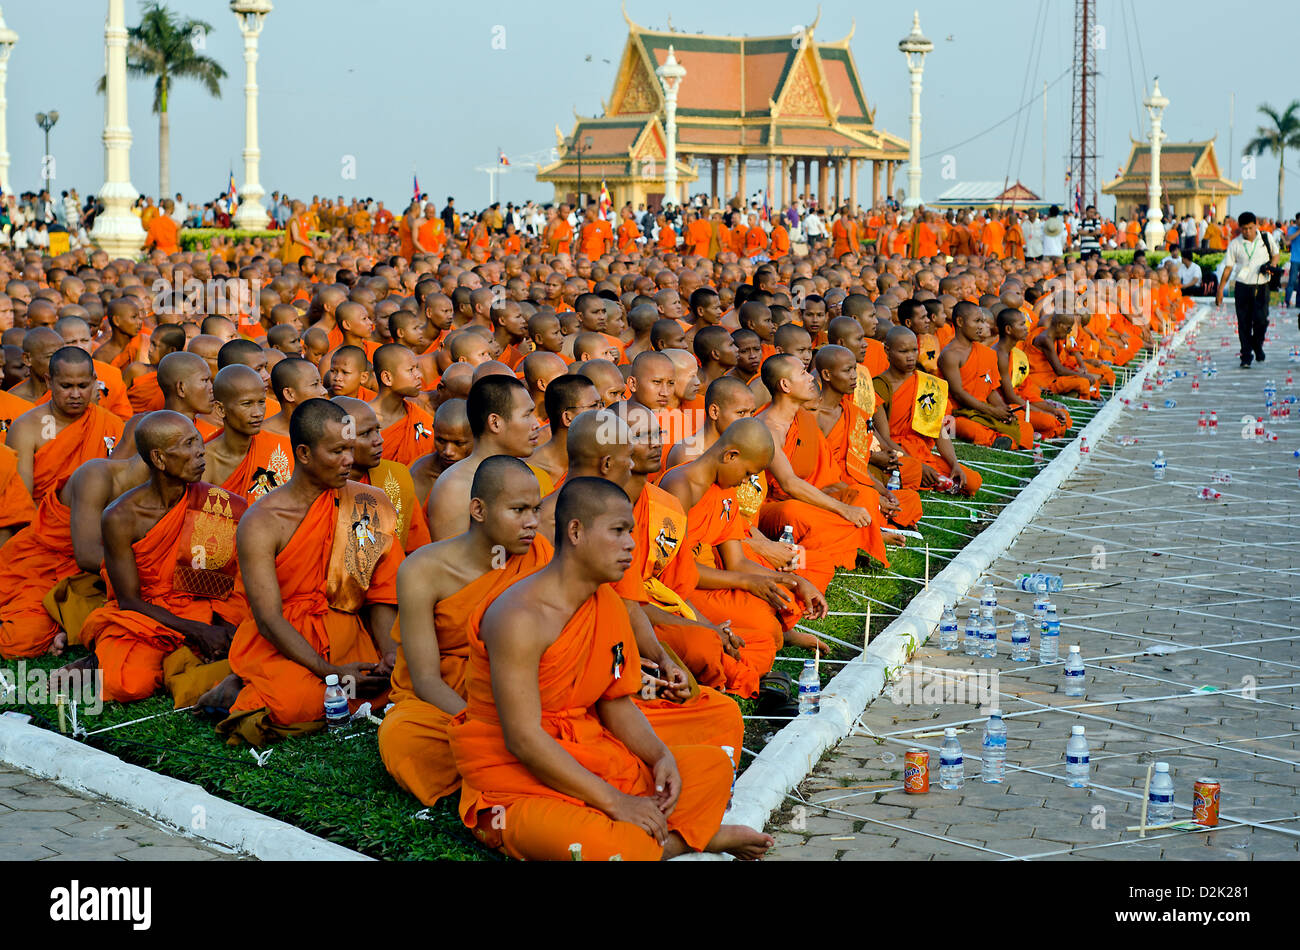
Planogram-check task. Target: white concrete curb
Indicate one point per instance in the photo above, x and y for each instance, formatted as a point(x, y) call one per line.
point(791, 755)
point(80, 768)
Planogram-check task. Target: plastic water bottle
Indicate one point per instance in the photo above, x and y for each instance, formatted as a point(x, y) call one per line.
point(1049, 637)
point(1074, 673)
point(1040, 583)
point(1214, 422)
point(1020, 640)
point(895, 481)
point(787, 536)
point(810, 690)
point(1040, 608)
point(948, 639)
point(1160, 799)
point(988, 635)
point(1202, 424)
point(1076, 758)
point(971, 640)
point(952, 764)
point(989, 601)
point(337, 714)
point(1038, 449)
point(995, 748)
point(1158, 466)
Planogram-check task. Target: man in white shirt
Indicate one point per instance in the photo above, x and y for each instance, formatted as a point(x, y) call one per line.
point(813, 229)
point(1247, 254)
point(1189, 272)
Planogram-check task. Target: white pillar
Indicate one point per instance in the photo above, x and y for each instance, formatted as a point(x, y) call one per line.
point(8, 38)
point(671, 74)
point(117, 231)
point(250, 213)
point(1155, 230)
point(914, 46)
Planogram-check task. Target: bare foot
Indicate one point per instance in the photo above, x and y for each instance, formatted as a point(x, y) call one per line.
point(797, 638)
point(892, 538)
point(90, 662)
point(741, 841)
point(60, 643)
point(221, 696)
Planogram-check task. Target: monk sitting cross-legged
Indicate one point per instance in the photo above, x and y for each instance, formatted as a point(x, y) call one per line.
point(318, 561)
point(981, 414)
point(550, 733)
point(169, 547)
point(439, 588)
point(1049, 418)
point(1047, 370)
point(909, 416)
point(729, 587)
point(844, 411)
point(369, 467)
point(831, 529)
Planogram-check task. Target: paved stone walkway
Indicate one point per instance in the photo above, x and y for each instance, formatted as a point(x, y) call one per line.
point(1166, 594)
point(40, 821)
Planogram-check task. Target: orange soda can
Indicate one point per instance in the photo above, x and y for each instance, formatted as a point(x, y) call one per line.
point(1205, 802)
point(916, 771)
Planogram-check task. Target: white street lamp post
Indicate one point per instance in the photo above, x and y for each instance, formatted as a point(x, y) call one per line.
point(671, 74)
point(250, 213)
point(117, 231)
point(914, 46)
point(8, 38)
point(1155, 230)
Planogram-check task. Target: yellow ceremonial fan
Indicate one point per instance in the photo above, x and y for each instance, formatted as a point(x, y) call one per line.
point(931, 403)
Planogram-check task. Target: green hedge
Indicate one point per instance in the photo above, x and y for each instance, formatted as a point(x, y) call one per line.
point(196, 238)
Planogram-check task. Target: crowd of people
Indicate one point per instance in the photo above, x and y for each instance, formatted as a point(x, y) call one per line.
point(547, 496)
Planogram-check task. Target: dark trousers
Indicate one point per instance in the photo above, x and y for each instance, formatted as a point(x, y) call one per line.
point(1252, 318)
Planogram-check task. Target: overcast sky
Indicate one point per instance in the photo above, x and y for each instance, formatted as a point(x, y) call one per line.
point(403, 84)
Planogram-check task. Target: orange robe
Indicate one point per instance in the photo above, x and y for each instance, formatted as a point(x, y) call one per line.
point(31, 563)
point(540, 823)
point(433, 235)
point(162, 233)
point(844, 237)
point(898, 405)
point(1015, 242)
point(628, 232)
point(992, 236)
point(713, 520)
point(16, 506)
point(1044, 423)
point(133, 649)
point(849, 442)
point(828, 540)
point(328, 571)
point(595, 238)
point(780, 242)
point(292, 251)
point(1044, 377)
point(876, 360)
point(261, 470)
point(755, 241)
point(707, 718)
point(11, 407)
point(698, 236)
point(979, 377)
point(667, 239)
point(413, 737)
point(410, 436)
point(144, 394)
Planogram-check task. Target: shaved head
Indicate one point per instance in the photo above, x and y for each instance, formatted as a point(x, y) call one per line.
point(235, 382)
point(495, 474)
point(751, 438)
point(584, 500)
point(160, 430)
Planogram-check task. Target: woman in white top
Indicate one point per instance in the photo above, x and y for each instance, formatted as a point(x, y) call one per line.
point(1054, 233)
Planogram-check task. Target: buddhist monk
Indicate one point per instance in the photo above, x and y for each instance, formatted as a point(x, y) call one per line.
point(369, 467)
point(439, 589)
point(1049, 418)
point(501, 421)
point(844, 410)
point(607, 378)
point(125, 343)
point(566, 398)
point(186, 385)
point(730, 587)
point(970, 367)
point(452, 441)
point(169, 547)
point(142, 389)
point(550, 732)
point(314, 556)
point(1047, 371)
point(16, 507)
point(293, 382)
point(238, 458)
point(909, 414)
point(407, 428)
point(539, 368)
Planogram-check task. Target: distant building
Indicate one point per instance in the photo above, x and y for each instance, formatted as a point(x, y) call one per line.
point(1190, 181)
point(990, 194)
point(787, 101)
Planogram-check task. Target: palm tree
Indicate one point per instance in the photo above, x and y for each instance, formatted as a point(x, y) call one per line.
point(166, 47)
point(1282, 135)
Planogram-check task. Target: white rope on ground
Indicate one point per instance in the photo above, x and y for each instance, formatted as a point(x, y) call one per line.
point(123, 725)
